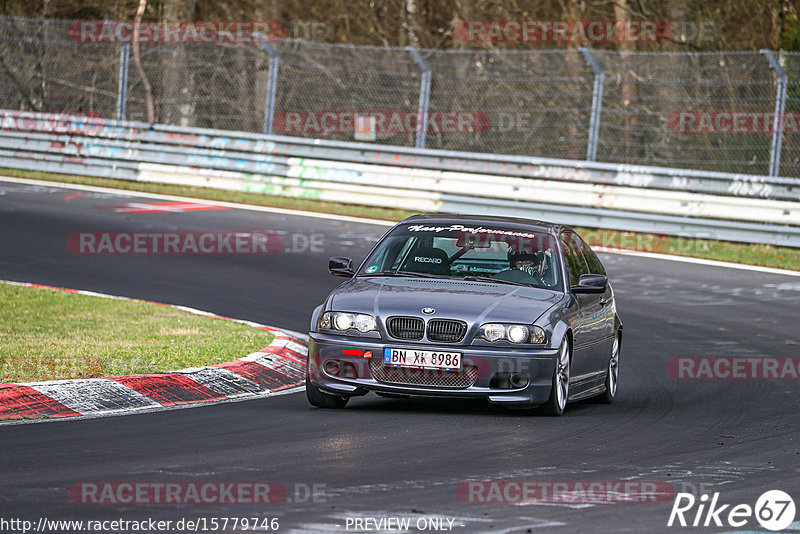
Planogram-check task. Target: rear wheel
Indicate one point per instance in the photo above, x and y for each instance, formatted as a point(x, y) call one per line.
point(559, 393)
point(321, 399)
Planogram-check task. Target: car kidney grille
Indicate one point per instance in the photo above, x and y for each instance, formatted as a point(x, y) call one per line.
point(410, 328)
point(442, 378)
point(446, 330)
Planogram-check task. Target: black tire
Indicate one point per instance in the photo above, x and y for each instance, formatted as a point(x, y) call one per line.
point(324, 400)
point(612, 377)
point(559, 392)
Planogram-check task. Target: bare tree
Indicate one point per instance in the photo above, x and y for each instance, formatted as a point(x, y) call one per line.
point(137, 58)
point(177, 95)
point(411, 26)
point(572, 11)
point(629, 94)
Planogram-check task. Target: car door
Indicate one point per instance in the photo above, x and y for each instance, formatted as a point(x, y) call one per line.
point(602, 322)
point(582, 364)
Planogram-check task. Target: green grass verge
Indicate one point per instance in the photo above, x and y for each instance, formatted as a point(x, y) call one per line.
point(49, 334)
point(763, 255)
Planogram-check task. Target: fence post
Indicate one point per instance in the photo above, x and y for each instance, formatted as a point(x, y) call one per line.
point(597, 103)
point(122, 86)
point(780, 106)
point(424, 97)
point(272, 82)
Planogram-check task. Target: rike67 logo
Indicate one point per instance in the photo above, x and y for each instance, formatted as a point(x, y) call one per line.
point(774, 510)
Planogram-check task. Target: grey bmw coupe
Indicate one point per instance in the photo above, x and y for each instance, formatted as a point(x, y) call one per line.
point(516, 311)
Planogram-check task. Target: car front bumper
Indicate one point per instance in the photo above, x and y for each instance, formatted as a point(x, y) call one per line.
point(486, 371)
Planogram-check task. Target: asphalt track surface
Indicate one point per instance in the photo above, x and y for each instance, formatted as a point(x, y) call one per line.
point(385, 458)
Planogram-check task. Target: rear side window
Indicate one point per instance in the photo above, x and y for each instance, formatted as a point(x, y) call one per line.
point(595, 266)
point(576, 264)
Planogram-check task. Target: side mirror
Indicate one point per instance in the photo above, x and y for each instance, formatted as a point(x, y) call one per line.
point(341, 266)
point(591, 283)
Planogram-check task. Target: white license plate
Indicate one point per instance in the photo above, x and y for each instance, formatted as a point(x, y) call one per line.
point(422, 358)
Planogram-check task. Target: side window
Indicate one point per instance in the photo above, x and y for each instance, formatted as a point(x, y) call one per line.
point(576, 265)
point(595, 266)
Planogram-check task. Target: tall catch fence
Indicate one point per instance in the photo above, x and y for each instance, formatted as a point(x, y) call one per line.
point(733, 112)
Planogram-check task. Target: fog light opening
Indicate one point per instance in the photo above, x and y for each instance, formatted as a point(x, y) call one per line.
point(500, 381)
point(331, 367)
point(348, 370)
point(519, 380)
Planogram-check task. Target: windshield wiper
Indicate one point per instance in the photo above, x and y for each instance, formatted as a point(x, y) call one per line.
point(473, 278)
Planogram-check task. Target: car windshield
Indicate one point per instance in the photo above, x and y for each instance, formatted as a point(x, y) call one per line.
point(524, 257)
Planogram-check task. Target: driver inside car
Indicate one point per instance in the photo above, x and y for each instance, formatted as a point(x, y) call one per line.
point(527, 267)
point(529, 263)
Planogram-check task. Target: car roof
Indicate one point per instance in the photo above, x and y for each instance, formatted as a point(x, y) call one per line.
point(509, 222)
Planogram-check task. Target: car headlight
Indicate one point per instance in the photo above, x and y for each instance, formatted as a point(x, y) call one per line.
point(345, 321)
point(364, 323)
point(515, 333)
point(537, 335)
point(493, 332)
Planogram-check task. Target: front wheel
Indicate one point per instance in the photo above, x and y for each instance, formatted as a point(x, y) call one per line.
point(559, 393)
point(612, 378)
point(323, 400)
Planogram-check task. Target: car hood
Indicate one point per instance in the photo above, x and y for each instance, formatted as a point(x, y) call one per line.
point(473, 302)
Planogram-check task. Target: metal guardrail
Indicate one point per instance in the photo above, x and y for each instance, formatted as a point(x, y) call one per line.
point(709, 205)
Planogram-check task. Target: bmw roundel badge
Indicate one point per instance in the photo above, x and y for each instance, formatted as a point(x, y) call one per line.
point(428, 311)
